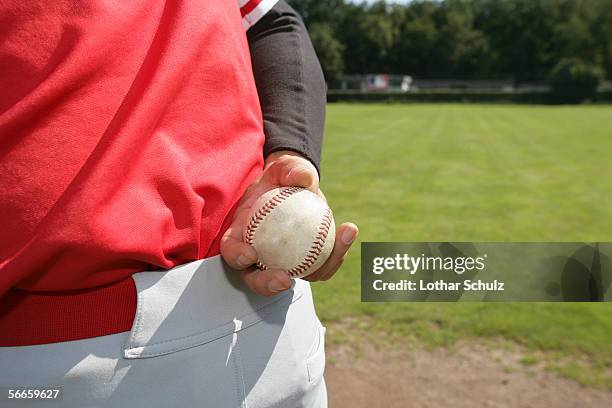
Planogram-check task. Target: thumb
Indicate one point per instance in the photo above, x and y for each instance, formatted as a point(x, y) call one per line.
point(301, 174)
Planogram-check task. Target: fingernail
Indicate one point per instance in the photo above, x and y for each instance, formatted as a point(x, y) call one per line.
point(277, 286)
point(348, 237)
point(243, 261)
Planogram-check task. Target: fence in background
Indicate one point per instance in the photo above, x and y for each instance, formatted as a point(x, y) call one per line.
point(404, 88)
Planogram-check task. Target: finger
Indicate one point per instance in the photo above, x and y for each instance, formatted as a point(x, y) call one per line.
point(238, 254)
point(293, 171)
point(247, 197)
point(266, 282)
point(303, 175)
point(332, 270)
point(345, 236)
point(326, 271)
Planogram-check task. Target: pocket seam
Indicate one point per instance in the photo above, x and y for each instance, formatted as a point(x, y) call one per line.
point(132, 337)
point(224, 329)
point(315, 353)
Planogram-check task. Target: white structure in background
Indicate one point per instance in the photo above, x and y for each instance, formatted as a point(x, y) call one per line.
point(374, 83)
point(384, 83)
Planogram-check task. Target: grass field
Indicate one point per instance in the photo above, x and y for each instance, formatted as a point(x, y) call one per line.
point(474, 173)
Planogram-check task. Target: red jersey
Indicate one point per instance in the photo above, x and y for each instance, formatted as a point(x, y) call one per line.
point(128, 131)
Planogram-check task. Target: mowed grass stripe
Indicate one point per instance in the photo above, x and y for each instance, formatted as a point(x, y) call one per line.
point(473, 173)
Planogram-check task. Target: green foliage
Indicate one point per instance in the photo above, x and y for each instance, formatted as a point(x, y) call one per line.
point(463, 47)
point(329, 50)
point(518, 39)
point(573, 80)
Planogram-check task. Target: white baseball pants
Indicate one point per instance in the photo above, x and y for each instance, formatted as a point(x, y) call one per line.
point(200, 338)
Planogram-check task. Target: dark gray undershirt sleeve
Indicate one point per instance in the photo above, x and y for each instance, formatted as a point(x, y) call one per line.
point(290, 83)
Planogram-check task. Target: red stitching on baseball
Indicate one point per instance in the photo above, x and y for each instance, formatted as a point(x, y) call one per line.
point(316, 247)
point(264, 210)
point(317, 244)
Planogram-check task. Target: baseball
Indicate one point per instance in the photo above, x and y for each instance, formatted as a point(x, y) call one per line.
point(292, 229)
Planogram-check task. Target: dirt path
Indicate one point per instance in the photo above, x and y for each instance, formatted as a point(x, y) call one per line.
point(471, 376)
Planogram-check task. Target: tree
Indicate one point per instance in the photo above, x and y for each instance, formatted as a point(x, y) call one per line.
point(601, 29)
point(573, 80)
point(461, 50)
point(316, 11)
point(329, 50)
point(417, 36)
point(519, 39)
point(522, 34)
point(377, 37)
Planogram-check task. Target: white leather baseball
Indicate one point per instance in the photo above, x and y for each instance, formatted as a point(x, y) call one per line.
point(292, 229)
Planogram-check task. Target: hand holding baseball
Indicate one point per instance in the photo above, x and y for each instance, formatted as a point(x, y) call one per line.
point(281, 169)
